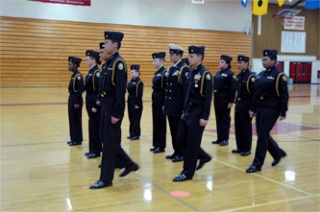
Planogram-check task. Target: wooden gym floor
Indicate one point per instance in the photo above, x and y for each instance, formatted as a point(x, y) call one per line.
point(40, 172)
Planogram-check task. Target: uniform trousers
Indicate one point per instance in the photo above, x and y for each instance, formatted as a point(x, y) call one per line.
point(75, 119)
point(134, 117)
point(113, 156)
point(243, 126)
point(174, 126)
point(159, 124)
point(190, 135)
point(223, 118)
point(95, 144)
point(265, 120)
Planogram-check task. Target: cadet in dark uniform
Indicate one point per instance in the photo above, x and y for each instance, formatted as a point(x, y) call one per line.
point(224, 85)
point(159, 124)
point(270, 104)
point(176, 79)
point(242, 119)
point(112, 90)
point(91, 88)
point(75, 102)
point(196, 114)
point(135, 90)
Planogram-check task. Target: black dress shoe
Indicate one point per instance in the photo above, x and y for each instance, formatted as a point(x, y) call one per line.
point(275, 162)
point(100, 184)
point(93, 155)
point(203, 161)
point(75, 143)
point(129, 137)
point(99, 166)
point(87, 153)
point(224, 143)
point(69, 142)
point(236, 151)
point(181, 177)
point(170, 157)
point(177, 158)
point(253, 169)
point(128, 169)
point(152, 149)
point(216, 142)
point(246, 153)
point(134, 138)
point(158, 150)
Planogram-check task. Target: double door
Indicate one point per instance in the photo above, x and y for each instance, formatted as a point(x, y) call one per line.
point(300, 72)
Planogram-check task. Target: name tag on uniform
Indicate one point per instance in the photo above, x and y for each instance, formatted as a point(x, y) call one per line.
point(271, 77)
point(133, 83)
point(158, 75)
point(175, 73)
point(90, 74)
point(224, 75)
point(197, 77)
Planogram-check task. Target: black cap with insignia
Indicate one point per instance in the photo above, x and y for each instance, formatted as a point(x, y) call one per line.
point(226, 58)
point(135, 67)
point(270, 53)
point(115, 36)
point(160, 55)
point(75, 60)
point(101, 45)
point(197, 50)
point(243, 58)
point(94, 54)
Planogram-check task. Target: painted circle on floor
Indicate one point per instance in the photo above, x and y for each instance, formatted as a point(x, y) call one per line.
point(179, 194)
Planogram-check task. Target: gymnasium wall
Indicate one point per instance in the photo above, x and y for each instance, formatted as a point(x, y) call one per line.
point(34, 52)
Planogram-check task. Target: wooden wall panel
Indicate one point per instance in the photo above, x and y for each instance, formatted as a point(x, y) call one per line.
point(270, 37)
point(34, 52)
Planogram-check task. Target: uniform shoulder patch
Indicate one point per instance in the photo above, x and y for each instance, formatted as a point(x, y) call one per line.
point(98, 74)
point(253, 79)
point(208, 76)
point(234, 77)
point(79, 77)
point(120, 66)
point(284, 78)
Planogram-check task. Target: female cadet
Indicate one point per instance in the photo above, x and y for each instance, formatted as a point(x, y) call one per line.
point(224, 92)
point(75, 102)
point(158, 94)
point(242, 119)
point(135, 90)
point(196, 114)
point(270, 104)
point(93, 110)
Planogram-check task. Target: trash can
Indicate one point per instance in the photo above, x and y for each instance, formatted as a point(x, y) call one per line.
point(290, 81)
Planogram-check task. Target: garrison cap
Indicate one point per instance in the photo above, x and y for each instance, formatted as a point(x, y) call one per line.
point(92, 54)
point(175, 49)
point(101, 45)
point(135, 67)
point(160, 55)
point(75, 60)
point(115, 36)
point(270, 53)
point(243, 58)
point(197, 50)
point(226, 58)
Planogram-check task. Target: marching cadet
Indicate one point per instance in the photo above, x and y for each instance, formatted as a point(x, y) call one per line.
point(224, 85)
point(75, 102)
point(196, 114)
point(135, 90)
point(112, 90)
point(174, 96)
point(270, 104)
point(91, 88)
point(242, 119)
point(159, 124)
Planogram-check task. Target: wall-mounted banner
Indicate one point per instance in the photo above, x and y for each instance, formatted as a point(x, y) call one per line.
point(72, 2)
point(197, 1)
point(294, 23)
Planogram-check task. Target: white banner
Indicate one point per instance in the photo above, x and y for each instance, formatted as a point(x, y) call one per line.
point(294, 23)
point(197, 1)
point(293, 42)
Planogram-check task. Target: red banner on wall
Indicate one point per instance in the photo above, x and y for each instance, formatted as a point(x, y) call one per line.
point(72, 2)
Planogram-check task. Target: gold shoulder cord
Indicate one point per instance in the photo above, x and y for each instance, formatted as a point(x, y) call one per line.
point(202, 82)
point(113, 68)
point(180, 74)
point(137, 88)
point(93, 76)
point(248, 83)
point(277, 83)
point(74, 82)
